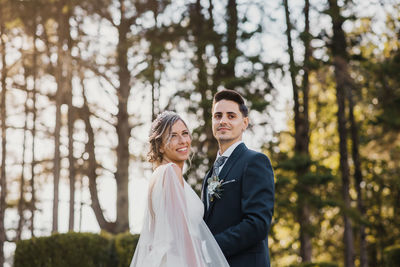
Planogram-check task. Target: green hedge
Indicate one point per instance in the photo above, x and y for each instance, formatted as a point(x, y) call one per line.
point(392, 256)
point(315, 264)
point(76, 249)
point(124, 246)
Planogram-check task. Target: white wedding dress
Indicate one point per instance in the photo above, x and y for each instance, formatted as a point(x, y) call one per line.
point(174, 233)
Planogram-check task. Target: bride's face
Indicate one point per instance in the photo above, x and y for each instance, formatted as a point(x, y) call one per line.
point(176, 145)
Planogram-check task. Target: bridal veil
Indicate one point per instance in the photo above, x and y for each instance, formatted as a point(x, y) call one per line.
point(174, 233)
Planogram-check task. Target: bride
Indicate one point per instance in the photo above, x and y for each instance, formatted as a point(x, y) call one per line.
point(174, 233)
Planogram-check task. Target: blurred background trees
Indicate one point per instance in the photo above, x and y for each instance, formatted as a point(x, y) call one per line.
point(81, 82)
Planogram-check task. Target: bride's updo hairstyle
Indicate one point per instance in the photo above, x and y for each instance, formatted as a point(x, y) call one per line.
point(161, 128)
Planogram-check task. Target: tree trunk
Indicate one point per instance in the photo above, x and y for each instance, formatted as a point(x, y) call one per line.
point(344, 168)
point(303, 140)
point(154, 81)
point(56, 164)
point(62, 86)
point(21, 201)
point(123, 127)
point(58, 101)
point(71, 159)
point(153, 96)
point(155, 77)
point(32, 205)
point(155, 87)
point(92, 166)
point(233, 52)
point(217, 45)
point(3, 182)
point(342, 84)
point(80, 204)
point(357, 178)
point(71, 121)
point(301, 132)
point(201, 34)
point(304, 129)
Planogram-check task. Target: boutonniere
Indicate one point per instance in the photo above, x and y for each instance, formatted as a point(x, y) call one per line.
point(214, 187)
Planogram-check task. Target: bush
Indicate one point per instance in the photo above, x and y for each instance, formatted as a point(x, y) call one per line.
point(391, 256)
point(315, 264)
point(76, 249)
point(124, 246)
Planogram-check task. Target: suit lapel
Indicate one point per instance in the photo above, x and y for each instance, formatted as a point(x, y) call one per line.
point(223, 174)
point(203, 189)
point(231, 162)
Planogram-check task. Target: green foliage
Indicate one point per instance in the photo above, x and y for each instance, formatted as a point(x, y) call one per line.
point(311, 178)
point(392, 256)
point(315, 264)
point(296, 162)
point(76, 249)
point(124, 246)
point(71, 249)
point(317, 174)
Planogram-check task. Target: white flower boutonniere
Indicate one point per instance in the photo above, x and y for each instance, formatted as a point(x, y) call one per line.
point(214, 187)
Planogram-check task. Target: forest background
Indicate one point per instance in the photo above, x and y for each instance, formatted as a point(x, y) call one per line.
point(81, 82)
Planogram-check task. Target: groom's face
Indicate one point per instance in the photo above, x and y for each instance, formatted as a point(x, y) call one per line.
point(228, 123)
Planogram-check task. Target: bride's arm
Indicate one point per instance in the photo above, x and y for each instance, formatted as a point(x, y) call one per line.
point(178, 173)
point(177, 216)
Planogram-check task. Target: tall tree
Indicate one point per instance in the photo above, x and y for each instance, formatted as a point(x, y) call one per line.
point(343, 84)
point(301, 128)
point(123, 126)
point(28, 20)
point(216, 61)
point(32, 204)
point(201, 32)
point(358, 179)
point(123, 21)
point(69, 63)
point(58, 102)
point(3, 181)
point(71, 159)
point(302, 137)
point(22, 200)
point(378, 85)
point(63, 77)
point(92, 164)
point(56, 160)
point(232, 22)
point(31, 18)
point(155, 51)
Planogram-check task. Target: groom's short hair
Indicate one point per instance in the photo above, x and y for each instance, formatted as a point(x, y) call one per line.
point(234, 96)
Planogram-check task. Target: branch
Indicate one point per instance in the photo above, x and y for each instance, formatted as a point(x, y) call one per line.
point(89, 65)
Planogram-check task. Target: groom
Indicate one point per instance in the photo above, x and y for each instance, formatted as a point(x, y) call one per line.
point(238, 192)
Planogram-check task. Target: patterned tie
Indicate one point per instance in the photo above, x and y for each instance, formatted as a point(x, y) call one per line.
point(218, 163)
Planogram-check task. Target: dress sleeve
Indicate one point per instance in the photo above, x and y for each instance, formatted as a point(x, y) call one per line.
point(168, 238)
point(173, 218)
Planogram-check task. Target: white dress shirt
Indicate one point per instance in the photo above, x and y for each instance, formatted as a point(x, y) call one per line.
point(227, 153)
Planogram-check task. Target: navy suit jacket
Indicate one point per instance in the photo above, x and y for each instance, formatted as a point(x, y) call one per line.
point(241, 218)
